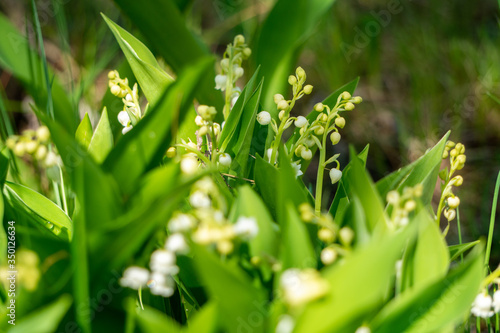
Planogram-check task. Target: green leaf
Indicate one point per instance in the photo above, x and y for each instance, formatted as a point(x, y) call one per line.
point(249, 204)
point(17, 57)
point(358, 286)
point(433, 308)
point(428, 259)
point(102, 141)
point(162, 24)
point(45, 319)
point(204, 321)
point(457, 250)
point(224, 281)
point(84, 132)
point(40, 211)
point(144, 146)
point(296, 247)
point(152, 79)
point(151, 320)
point(425, 170)
point(276, 48)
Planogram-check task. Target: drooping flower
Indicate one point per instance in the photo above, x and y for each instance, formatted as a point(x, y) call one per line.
point(176, 243)
point(481, 307)
point(302, 286)
point(335, 175)
point(163, 261)
point(296, 167)
point(220, 82)
point(264, 118)
point(161, 284)
point(135, 277)
point(246, 226)
point(199, 200)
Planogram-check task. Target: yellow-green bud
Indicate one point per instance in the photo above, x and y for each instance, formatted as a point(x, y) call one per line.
point(457, 181)
point(346, 95)
point(247, 52)
point(306, 154)
point(326, 235)
point(319, 107)
point(324, 118)
point(225, 247)
point(282, 105)
point(278, 98)
point(349, 106)
point(203, 131)
point(450, 144)
point(340, 122)
point(255, 260)
point(450, 214)
point(335, 138)
point(445, 155)
point(319, 130)
point(357, 99)
point(461, 159)
point(111, 75)
point(281, 115)
point(239, 40)
point(31, 146)
point(116, 90)
point(171, 152)
point(11, 143)
point(43, 133)
point(346, 235)
point(453, 202)
point(301, 73)
point(41, 153)
point(292, 80)
point(309, 141)
point(328, 256)
point(299, 150)
point(410, 205)
point(308, 89)
point(20, 149)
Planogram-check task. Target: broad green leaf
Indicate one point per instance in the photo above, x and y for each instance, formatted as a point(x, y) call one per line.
point(362, 186)
point(425, 170)
point(151, 320)
point(296, 247)
point(241, 148)
point(84, 132)
point(457, 250)
point(432, 308)
point(224, 281)
point(45, 319)
point(162, 24)
point(428, 259)
point(102, 141)
point(341, 198)
point(358, 286)
point(204, 321)
point(354, 217)
point(41, 211)
point(152, 79)
point(276, 48)
point(249, 204)
point(143, 147)
point(18, 58)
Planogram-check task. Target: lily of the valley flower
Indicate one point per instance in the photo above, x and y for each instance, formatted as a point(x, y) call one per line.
point(302, 286)
point(296, 167)
point(135, 277)
point(482, 306)
point(246, 226)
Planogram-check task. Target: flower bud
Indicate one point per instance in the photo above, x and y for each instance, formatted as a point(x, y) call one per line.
point(198, 120)
point(301, 73)
point(238, 72)
point(306, 154)
point(220, 82)
point(453, 202)
point(123, 118)
point(309, 141)
point(203, 131)
point(346, 95)
point(357, 100)
point(225, 247)
point(346, 235)
point(335, 137)
point(41, 152)
point(393, 197)
point(299, 150)
point(224, 64)
point(51, 159)
point(410, 205)
point(115, 90)
point(301, 121)
point(171, 152)
point(319, 107)
point(264, 118)
point(445, 155)
point(278, 98)
point(450, 214)
point(457, 181)
point(225, 159)
point(10, 143)
point(292, 80)
point(328, 256)
point(319, 130)
point(31, 146)
point(189, 165)
point(282, 105)
point(349, 106)
point(20, 149)
point(239, 40)
point(43, 134)
point(340, 122)
point(308, 89)
point(335, 175)
point(111, 75)
point(247, 52)
point(281, 115)
point(326, 235)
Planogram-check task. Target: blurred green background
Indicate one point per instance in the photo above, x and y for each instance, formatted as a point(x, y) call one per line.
point(425, 67)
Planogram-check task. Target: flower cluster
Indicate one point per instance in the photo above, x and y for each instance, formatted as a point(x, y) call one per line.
point(231, 71)
point(338, 241)
point(402, 205)
point(131, 112)
point(36, 144)
point(449, 202)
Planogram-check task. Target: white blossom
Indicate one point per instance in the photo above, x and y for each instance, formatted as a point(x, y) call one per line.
point(496, 301)
point(163, 261)
point(161, 284)
point(328, 256)
point(264, 117)
point(123, 118)
point(134, 277)
point(127, 129)
point(176, 243)
point(246, 226)
point(296, 167)
point(199, 200)
point(335, 175)
point(189, 165)
point(180, 223)
point(225, 159)
point(302, 286)
point(220, 82)
point(482, 306)
point(301, 121)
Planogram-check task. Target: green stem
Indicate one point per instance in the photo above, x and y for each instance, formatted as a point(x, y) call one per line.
point(229, 85)
point(321, 170)
point(459, 234)
point(492, 222)
point(63, 192)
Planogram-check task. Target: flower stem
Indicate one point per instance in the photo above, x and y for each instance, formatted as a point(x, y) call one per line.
point(321, 170)
point(492, 222)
